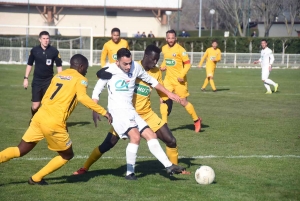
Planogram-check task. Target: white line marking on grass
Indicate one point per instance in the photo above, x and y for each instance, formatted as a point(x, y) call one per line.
point(150, 157)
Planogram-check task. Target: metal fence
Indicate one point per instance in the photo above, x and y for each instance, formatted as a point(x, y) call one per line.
point(14, 55)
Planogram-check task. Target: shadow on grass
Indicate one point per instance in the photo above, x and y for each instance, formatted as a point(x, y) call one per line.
point(189, 127)
point(211, 91)
point(143, 169)
point(223, 90)
point(70, 124)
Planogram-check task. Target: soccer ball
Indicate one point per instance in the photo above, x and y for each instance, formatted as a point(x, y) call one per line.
point(205, 175)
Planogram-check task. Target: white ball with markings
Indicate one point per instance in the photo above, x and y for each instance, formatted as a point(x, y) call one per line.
point(205, 175)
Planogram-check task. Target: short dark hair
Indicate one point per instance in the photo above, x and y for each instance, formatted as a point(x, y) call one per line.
point(123, 52)
point(44, 33)
point(77, 60)
point(171, 31)
point(264, 40)
point(152, 48)
point(214, 41)
point(115, 30)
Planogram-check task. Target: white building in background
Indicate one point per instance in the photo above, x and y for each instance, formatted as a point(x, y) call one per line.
point(130, 16)
point(278, 29)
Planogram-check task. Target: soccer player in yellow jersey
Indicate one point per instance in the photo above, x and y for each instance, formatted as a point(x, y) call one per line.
point(212, 56)
point(111, 47)
point(66, 89)
point(142, 104)
point(177, 64)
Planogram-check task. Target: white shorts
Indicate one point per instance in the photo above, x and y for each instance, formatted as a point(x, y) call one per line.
point(265, 73)
point(124, 119)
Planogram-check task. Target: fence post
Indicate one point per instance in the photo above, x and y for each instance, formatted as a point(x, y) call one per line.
point(70, 48)
point(21, 52)
point(234, 62)
point(10, 50)
point(225, 51)
point(287, 60)
point(133, 43)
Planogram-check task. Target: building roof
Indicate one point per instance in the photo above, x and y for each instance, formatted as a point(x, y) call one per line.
point(119, 4)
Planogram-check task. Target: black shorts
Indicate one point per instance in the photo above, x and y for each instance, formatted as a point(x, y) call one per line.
point(39, 90)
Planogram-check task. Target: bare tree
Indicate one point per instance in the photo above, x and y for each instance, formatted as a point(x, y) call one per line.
point(291, 9)
point(269, 10)
point(235, 13)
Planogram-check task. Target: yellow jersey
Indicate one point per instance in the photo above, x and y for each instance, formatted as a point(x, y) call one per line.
point(177, 62)
point(211, 54)
point(110, 49)
point(141, 97)
point(66, 89)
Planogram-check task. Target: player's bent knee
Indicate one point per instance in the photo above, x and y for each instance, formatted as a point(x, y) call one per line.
point(25, 147)
point(67, 154)
point(172, 142)
point(109, 142)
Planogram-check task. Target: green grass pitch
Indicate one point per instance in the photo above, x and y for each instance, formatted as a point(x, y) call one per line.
point(250, 139)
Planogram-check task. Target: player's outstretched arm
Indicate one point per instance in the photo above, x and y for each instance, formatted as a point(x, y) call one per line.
point(86, 100)
point(171, 96)
point(202, 59)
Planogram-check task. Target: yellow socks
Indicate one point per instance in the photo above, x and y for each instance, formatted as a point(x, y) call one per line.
point(212, 84)
point(9, 153)
point(190, 109)
point(172, 154)
point(94, 156)
point(205, 83)
point(164, 112)
point(56, 163)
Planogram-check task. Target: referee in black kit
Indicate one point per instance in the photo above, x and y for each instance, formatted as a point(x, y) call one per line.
point(44, 56)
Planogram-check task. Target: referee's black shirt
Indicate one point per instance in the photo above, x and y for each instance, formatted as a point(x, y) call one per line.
point(44, 60)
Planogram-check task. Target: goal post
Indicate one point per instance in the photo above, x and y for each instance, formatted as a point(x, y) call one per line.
point(17, 40)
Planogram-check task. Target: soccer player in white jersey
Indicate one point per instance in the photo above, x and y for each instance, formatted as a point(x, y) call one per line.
point(266, 60)
point(120, 79)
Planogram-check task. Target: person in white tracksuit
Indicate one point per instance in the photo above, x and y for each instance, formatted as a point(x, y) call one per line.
point(266, 60)
point(120, 79)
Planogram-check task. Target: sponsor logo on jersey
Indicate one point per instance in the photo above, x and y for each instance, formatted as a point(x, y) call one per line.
point(84, 82)
point(212, 58)
point(62, 77)
point(170, 62)
point(114, 56)
point(183, 53)
point(142, 90)
point(122, 85)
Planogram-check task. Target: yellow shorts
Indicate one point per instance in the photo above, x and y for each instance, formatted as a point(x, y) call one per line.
point(57, 139)
point(153, 121)
point(181, 89)
point(210, 72)
point(151, 118)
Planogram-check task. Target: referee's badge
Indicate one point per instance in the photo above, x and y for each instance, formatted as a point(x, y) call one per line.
point(48, 62)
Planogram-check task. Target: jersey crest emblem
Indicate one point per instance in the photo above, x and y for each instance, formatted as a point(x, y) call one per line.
point(174, 55)
point(114, 56)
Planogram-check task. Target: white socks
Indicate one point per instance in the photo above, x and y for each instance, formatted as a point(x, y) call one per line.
point(267, 86)
point(158, 152)
point(268, 81)
point(131, 151)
